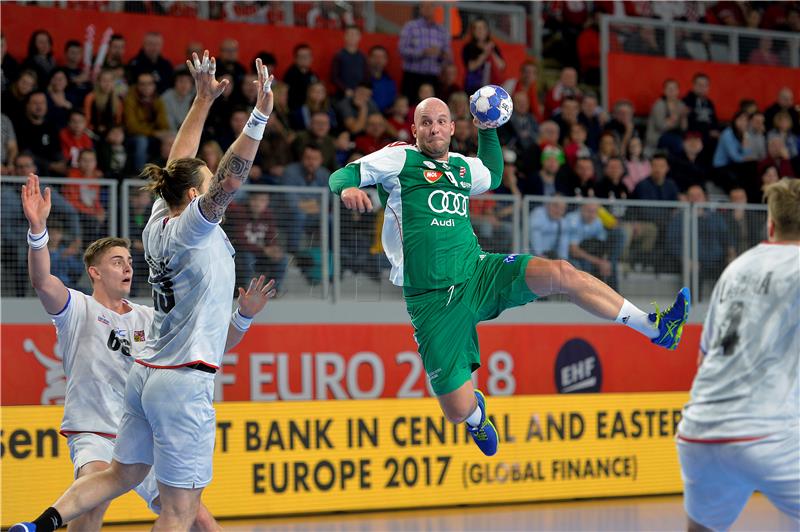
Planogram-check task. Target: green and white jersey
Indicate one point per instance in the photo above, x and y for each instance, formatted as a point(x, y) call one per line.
point(427, 233)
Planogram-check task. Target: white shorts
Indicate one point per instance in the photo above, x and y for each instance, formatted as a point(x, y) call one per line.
point(169, 423)
point(85, 447)
point(718, 479)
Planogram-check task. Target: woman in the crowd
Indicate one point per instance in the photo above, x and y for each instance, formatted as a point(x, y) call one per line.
point(637, 165)
point(483, 62)
point(316, 100)
point(667, 120)
point(102, 106)
point(40, 55)
point(733, 154)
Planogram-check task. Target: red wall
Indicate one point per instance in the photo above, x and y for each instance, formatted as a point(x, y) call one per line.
point(639, 78)
point(18, 22)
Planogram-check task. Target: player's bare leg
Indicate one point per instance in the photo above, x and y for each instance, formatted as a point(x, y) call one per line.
point(178, 508)
point(93, 519)
point(694, 526)
point(204, 521)
point(458, 404)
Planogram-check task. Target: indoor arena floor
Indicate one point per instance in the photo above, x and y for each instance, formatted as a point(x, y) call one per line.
point(649, 513)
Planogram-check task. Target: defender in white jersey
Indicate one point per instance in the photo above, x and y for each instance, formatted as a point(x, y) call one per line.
point(99, 336)
point(169, 420)
point(740, 431)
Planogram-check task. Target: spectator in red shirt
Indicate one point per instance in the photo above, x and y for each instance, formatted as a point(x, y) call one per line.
point(374, 136)
point(567, 86)
point(86, 198)
point(399, 120)
point(527, 83)
point(588, 45)
point(74, 138)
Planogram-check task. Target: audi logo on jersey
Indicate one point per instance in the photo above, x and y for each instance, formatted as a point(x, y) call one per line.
point(446, 202)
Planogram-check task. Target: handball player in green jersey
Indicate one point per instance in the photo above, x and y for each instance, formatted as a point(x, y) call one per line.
point(449, 283)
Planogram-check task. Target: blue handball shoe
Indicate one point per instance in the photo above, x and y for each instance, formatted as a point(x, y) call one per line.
point(23, 527)
point(670, 322)
point(485, 435)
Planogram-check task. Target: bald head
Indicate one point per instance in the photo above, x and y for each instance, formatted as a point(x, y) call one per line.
point(433, 126)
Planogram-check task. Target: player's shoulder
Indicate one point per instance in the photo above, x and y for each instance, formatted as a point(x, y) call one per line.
point(142, 310)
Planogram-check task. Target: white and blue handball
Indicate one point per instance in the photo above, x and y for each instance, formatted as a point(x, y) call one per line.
point(491, 105)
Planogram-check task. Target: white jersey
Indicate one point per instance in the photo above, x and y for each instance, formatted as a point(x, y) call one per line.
point(748, 384)
point(193, 277)
point(98, 346)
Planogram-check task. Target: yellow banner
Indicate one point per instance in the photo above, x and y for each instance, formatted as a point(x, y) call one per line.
point(321, 456)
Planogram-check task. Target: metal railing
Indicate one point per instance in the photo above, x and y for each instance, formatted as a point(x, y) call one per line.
point(318, 250)
point(700, 42)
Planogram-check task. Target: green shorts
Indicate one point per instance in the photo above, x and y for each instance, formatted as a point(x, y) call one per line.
point(445, 319)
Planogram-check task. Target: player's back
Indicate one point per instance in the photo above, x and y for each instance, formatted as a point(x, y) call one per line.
point(193, 277)
point(748, 383)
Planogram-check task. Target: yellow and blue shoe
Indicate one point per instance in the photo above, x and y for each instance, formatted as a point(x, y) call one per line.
point(670, 322)
point(485, 435)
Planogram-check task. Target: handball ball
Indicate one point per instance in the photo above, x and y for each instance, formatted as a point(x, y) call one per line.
point(491, 105)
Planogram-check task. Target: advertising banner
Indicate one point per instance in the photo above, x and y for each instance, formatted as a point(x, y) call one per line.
point(313, 456)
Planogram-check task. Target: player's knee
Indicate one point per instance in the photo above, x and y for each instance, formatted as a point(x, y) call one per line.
point(568, 275)
point(128, 476)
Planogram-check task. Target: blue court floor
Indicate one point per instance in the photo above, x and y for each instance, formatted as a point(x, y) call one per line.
point(650, 513)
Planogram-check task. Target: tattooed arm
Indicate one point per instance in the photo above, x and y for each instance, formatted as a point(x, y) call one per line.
point(235, 165)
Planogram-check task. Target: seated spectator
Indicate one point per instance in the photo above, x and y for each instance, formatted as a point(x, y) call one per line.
point(150, 61)
point(745, 226)
point(667, 120)
point(40, 55)
point(548, 230)
point(86, 198)
point(9, 67)
point(527, 83)
point(732, 151)
point(65, 256)
point(611, 186)
point(465, 138)
point(304, 209)
point(581, 178)
point(593, 118)
point(353, 111)
point(520, 133)
point(567, 116)
point(756, 135)
point(74, 138)
point(166, 141)
point(589, 249)
point(254, 234)
point(39, 136)
point(280, 119)
point(482, 59)
point(228, 62)
point(145, 119)
point(178, 99)
point(548, 181)
point(575, 144)
point(238, 118)
point(316, 101)
point(400, 120)
point(58, 105)
point(103, 107)
point(687, 168)
point(384, 88)
point(702, 115)
point(219, 116)
point(115, 57)
point(777, 156)
point(112, 157)
point(459, 106)
point(510, 183)
point(77, 74)
point(211, 152)
point(621, 123)
point(375, 136)
point(16, 96)
point(345, 148)
point(529, 162)
point(318, 133)
point(349, 65)
point(784, 102)
point(248, 91)
point(769, 175)
point(567, 87)
point(657, 186)
point(637, 166)
point(782, 128)
point(300, 76)
point(607, 149)
point(8, 145)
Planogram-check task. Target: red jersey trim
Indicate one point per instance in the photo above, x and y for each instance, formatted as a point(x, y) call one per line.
point(66, 433)
point(212, 366)
point(721, 440)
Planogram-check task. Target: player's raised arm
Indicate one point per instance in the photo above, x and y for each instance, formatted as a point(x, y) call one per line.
point(36, 206)
point(235, 165)
point(251, 302)
point(490, 153)
point(345, 182)
point(207, 90)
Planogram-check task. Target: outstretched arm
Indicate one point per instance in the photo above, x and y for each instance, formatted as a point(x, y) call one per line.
point(51, 291)
point(490, 152)
point(251, 302)
point(208, 89)
point(345, 182)
point(235, 165)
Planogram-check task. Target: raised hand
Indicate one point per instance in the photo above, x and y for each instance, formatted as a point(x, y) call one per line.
point(253, 301)
point(264, 101)
point(204, 73)
point(35, 205)
point(356, 199)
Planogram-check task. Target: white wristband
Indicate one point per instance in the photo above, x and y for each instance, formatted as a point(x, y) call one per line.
point(254, 128)
point(240, 321)
point(38, 241)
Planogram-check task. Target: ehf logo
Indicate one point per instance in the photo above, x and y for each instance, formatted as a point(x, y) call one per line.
point(578, 368)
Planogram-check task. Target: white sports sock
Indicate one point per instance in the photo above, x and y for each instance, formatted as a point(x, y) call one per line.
point(474, 418)
point(636, 319)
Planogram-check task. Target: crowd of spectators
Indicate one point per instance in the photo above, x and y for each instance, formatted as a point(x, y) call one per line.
point(69, 120)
